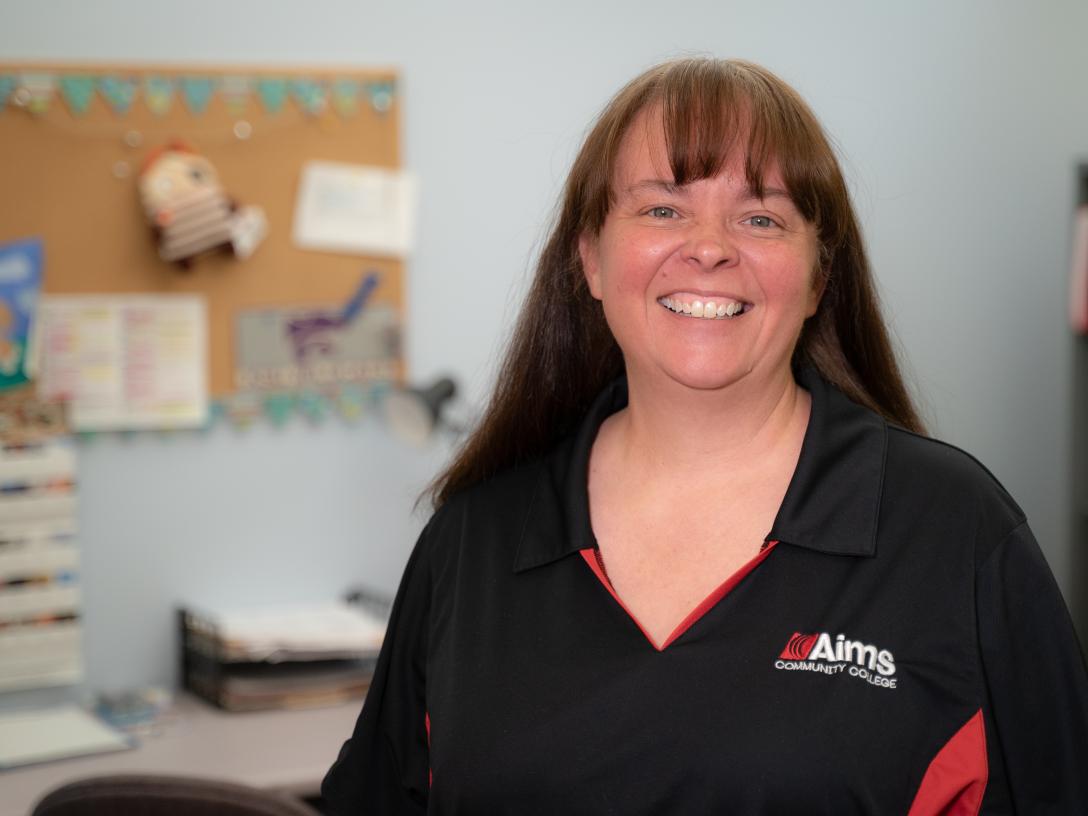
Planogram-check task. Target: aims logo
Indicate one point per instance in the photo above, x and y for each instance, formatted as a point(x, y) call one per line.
point(820, 653)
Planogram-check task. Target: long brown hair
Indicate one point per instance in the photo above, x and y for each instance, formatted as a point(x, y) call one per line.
point(562, 352)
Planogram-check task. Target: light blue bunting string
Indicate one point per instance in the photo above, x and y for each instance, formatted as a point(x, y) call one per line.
point(381, 96)
point(197, 92)
point(312, 405)
point(159, 94)
point(310, 95)
point(235, 91)
point(351, 402)
point(39, 89)
point(278, 408)
point(273, 93)
point(118, 92)
point(77, 90)
point(345, 97)
point(7, 85)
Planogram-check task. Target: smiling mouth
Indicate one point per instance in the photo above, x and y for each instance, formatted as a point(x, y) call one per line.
point(707, 310)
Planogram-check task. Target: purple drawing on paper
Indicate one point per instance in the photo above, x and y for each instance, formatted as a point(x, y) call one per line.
point(316, 332)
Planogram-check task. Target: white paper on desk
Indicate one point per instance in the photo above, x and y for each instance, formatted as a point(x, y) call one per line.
point(54, 733)
point(355, 209)
point(125, 361)
point(275, 632)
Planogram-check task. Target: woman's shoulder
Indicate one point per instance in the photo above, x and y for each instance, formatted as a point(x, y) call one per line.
point(948, 486)
point(496, 509)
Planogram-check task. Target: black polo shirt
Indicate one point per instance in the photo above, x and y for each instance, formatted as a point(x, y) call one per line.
point(899, 645)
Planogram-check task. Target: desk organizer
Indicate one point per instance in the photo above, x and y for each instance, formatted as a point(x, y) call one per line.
point(281, 657)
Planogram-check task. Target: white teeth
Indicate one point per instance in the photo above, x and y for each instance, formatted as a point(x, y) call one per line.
point(697, 308)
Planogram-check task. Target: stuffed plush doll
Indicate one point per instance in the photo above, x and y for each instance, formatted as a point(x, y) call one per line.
point(189, 212)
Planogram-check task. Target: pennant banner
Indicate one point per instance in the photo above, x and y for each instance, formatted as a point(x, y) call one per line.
point(351, 402)
point(381, 96)
point(118, 92)
point(7, 84)
point(159, 94)
point(36, 90)
point(272, 92)
point(197, 92)
point(77, 91)
point(345, 97)
point(235, 91)
point(310, 95)
point(278, 408)
point(312, 405)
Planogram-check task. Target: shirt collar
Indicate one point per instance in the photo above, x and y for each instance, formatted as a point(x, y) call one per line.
point(831, 505)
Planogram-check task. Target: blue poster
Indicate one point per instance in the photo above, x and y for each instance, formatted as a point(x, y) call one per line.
point(20, 282)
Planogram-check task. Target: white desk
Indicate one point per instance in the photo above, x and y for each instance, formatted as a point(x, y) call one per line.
point(280, 750)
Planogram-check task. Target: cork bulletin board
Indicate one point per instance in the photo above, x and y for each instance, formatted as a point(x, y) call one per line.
point(69, 168)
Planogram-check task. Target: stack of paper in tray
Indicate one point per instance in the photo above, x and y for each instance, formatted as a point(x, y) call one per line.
point(279, 657)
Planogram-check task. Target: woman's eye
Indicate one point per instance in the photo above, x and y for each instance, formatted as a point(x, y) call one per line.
point(662, 212)
point(763, 221)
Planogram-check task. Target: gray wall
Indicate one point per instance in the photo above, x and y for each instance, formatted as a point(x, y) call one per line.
point(959, 124)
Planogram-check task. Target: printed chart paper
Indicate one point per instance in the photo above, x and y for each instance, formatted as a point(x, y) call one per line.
point(125, 361)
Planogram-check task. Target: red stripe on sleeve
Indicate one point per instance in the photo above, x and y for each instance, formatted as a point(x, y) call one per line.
point(956, 778)
point(427, 725)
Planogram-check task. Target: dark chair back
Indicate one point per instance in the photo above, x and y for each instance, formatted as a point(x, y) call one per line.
point(153, 795)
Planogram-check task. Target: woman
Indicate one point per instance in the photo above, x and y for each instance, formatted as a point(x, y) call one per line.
point(698, 558)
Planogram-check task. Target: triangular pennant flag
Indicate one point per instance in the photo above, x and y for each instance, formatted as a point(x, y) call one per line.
point(197, 91)
point(217, 410)
point(272, 92)
point(235, 92)
point(118, 92)
point(36, 91)
point(159, 94)
point(381, 96)
point(351, 402)
point(7, 84)
point(278, 407)
point(312, 405)
point(77, 90)
point(345, 97)
point(243, 410)
point(310, 94)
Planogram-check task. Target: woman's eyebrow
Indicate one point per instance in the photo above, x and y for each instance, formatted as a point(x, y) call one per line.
point(655, 186)
point(767, 192)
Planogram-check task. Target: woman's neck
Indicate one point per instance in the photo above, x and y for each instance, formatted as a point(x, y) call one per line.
point(732, 430)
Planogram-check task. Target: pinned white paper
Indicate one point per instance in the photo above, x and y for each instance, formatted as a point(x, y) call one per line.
point(355, 209)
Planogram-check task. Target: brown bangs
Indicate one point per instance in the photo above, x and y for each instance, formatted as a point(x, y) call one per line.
point(709, 110)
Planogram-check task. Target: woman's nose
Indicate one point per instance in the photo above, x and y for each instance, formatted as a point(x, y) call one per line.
point(711, 248)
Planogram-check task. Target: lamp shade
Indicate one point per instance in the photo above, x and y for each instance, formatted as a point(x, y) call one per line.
point(414, 412)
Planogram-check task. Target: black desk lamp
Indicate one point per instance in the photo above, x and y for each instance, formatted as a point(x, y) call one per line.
point(414, 413)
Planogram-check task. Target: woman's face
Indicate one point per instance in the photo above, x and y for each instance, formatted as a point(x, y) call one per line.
point(665, 253)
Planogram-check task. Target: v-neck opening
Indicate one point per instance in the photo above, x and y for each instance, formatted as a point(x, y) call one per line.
point(591, 557)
